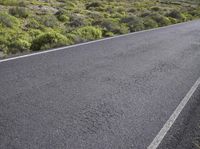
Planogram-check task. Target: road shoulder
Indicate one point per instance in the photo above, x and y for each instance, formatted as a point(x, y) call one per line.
point(185, 132)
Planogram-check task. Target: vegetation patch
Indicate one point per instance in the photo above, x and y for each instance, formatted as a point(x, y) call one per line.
point(32, 25)
point(49, 40)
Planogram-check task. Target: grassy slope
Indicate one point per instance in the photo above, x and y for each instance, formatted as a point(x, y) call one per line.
point(32, 25)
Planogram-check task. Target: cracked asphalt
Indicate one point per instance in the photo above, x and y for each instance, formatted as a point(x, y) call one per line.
point(112, 94)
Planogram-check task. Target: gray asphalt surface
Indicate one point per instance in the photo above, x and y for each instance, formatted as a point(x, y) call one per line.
point(113, 94)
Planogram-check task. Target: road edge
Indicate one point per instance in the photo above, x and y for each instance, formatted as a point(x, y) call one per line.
point(91, 42)
point(172, 119)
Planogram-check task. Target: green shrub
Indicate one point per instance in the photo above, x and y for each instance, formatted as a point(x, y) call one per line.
point(108, 34)
point(32, 23)
point(8, 21)
point(19, 12)
point(188, 16)
point(123, 29)
point(146, 14)
point(19, 45)
point(155, 8)
point(73, 37)
point(34, 33)
point(77, 21)
point(49, 40)
point(62, 16)
point(195, 13)
point(93, 5)
point(120, 10)
point(13, 41)
point(175, 14)
point(110, 25)
point(68, 5)
point(3, 43)
point(134, 23)
point(172, 20)
point(22, 4)
point(49, 21)
point(95, 17)
point(9, 2)
point(110, 9)
point(178, 15)
point(88, 33)
point(116, 15)
point(132, 10)
point(161, 20)
point(150, 23)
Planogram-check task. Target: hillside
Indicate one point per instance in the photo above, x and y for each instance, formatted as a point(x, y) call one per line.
point(32, 25)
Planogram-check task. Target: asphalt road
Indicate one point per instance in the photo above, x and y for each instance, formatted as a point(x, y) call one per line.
point(113, 94)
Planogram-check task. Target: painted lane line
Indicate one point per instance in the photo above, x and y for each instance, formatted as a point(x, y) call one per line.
point(160, 136)
point(90, 42)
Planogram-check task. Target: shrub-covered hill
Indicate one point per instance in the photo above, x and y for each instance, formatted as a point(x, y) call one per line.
point(32, 25)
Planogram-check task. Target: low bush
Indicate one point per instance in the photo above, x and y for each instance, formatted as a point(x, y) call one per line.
point(34, 33)
point(13, 41)
point(110, 25)
point(150, 23)
point(172, 20)
point(73, 37)
point(188, 16)
point(49, 21)
point(32, 23)
point(19, 12)
point(123, 29)
point(134, 23)
point(49, 40)
point(19, 45)
point(88, 33)
point(145, 14)
point(3, 43)
point(77, 21)
point(155, 8)
point(62, 16)
point(68, 5)
point(22, 4)
point(95, 18)
point(9, 2)
point(132, 10)
point(93, 5)
point(180, 17)
point(121, 10)
point(195, 13)
point(8, 21)
point(175, 14)
point(108, 34)
point(161, 20)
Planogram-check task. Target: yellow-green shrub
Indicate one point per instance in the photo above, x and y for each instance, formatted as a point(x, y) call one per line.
point(8, 21)
point(88, 33)
point(150, 23)
point(134, 23)
point(20, 12)
point(161, 20)
point(18, 45)
point(49, 40)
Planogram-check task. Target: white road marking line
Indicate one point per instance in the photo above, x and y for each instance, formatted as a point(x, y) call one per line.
point(160, 136)
point(86, 43)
